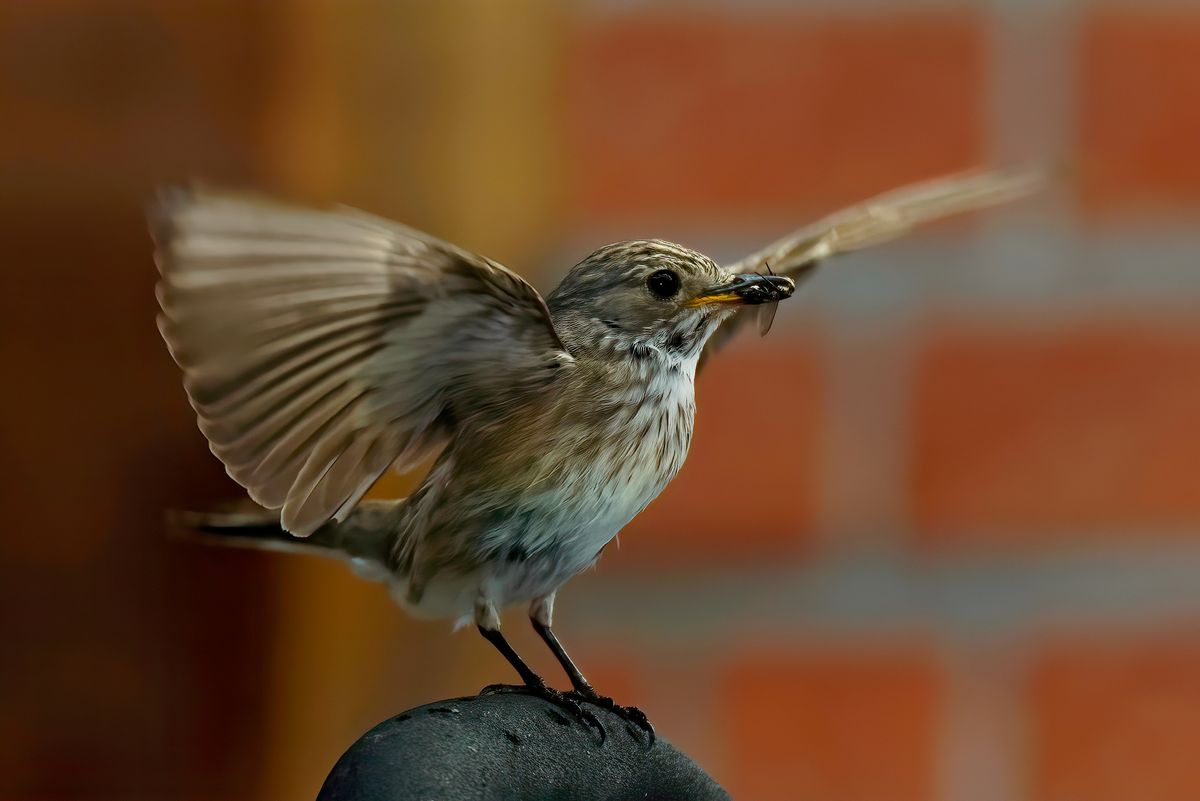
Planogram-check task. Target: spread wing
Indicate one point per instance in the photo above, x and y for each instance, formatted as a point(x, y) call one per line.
point(319, 347)
point(878, 220)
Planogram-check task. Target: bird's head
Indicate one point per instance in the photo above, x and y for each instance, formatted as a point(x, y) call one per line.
point(650, 297)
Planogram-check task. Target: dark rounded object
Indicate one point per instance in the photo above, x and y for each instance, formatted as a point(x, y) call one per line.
point(511, 746)
point(663, 283)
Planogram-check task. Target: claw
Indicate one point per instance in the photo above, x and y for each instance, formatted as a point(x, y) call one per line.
point(560, 699)
point(628, 713)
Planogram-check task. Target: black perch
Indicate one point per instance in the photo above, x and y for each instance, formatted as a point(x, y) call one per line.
point(513, 747)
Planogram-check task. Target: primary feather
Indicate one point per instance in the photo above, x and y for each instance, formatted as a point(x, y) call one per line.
point(875, 221)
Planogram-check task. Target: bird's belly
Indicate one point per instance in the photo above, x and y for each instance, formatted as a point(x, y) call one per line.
point(554, 523)
point(565, 532)
point(535, 546)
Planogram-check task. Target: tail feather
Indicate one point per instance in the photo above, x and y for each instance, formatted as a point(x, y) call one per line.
point(364, 538)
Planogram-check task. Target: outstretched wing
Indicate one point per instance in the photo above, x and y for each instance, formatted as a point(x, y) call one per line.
point(878, 220)
point(319, 347)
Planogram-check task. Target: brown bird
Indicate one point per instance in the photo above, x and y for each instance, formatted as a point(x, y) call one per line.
point(320, 348)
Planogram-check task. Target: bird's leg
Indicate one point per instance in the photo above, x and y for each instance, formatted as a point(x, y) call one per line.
point(541, 612)
point(487, 620)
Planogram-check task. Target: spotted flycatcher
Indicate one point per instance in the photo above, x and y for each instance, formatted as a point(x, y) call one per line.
point(320, 348)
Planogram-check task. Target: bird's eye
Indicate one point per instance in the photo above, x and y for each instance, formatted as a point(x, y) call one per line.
point(663, 283)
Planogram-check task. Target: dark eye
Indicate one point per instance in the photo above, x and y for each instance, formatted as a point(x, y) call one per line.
point(663, 283)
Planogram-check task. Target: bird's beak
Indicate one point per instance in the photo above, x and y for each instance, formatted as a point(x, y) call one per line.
point(748, 290)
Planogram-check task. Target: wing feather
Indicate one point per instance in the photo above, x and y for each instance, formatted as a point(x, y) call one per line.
point(320, 347)
point(876, 221)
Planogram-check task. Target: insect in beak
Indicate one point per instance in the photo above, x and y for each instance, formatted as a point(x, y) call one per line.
point(750, 289)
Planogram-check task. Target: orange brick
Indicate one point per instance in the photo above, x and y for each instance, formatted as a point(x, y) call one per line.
point(1117, 721)
point(1075, 429)
point(746, 491)
point(1139, 116)
point(850, 725)
point(770, 112)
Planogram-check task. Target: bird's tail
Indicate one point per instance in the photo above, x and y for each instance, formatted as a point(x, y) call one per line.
point(363, 539)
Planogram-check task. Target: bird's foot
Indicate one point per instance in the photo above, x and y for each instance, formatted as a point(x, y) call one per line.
point(560, 699)
point(630, 714)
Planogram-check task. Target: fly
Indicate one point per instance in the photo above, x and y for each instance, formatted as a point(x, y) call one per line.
point(766, 311)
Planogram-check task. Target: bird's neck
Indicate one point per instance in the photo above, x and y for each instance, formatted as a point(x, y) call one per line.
point(666, 350)
point(652, 373)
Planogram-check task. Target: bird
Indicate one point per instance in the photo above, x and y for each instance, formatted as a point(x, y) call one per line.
point(319, 348)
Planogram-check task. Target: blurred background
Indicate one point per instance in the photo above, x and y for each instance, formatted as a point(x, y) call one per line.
point(974, 571)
